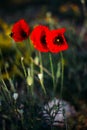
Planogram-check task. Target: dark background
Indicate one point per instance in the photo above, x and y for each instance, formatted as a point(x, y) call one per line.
point(9, 7)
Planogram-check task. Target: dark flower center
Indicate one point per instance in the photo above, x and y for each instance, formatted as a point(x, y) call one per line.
point(43, 40)
point(58, 40)
point(23, 34)
point(11, 34)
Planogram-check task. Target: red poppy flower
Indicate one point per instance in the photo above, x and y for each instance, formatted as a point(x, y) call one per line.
point(38, 37)
point(56, 41)
point(20, 31)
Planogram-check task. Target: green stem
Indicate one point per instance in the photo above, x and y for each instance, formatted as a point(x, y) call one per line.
point(28, 47)
point(6, 94)
point(10, 80)
point(41, 71)
point(41, 68)
point(32, 74)
point(61, 90)
point(44, 69)
point(17, 50)
point(42, 85)
point(62, 76)
point(22, 63)
point(52, 70)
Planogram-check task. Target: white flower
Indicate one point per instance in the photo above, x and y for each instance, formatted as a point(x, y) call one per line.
point(15, 96)
point(48, 14)
point(29, 80)
point(82, 1)
point(22, 58)
point(40, 76)
point(36, 60)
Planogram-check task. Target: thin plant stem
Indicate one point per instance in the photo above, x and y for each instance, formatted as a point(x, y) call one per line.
point(42, 85)
point(32, 64)
point(29, 49)
point(62, 75)
point(22, 63)
point(17, 50)
point(41, 71)
point(6, 94)
point(22, 59)
point(52, 70)
point(10, 80)
point(32, 74)
point(28, 46)
point(40, 66)
point(61, 90)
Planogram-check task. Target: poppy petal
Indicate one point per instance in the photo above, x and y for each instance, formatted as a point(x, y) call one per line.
point(56, 41)
point(20, 31)
point(38, 37)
